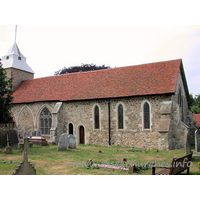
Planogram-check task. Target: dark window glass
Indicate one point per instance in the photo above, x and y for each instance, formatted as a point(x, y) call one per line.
point(146, 116)
point(7, 57)
point(19, 58)
point(96, 117)
point(45, 121)
point(120, 117)
point(71, 129)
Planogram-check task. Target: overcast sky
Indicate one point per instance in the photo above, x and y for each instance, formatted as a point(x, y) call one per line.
point(50, 48)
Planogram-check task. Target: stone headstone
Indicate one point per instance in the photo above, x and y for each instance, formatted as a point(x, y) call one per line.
point(18, 135)
point(197, 143)
point(188, 146)
point(34, 133)
point(72, 142)
point(26, 134)
point(38, 133)
point(25, 168)
point(63, 142)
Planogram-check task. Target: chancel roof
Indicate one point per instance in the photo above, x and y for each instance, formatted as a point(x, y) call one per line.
point(139, 80)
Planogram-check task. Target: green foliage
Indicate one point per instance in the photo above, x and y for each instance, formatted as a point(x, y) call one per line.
point(82, 68)
point(5, 97)
point(195, 103)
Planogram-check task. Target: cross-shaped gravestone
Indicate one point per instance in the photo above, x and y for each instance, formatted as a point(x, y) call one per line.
point(25, 168)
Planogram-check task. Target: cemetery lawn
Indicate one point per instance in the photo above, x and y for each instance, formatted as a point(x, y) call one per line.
point(47, 160)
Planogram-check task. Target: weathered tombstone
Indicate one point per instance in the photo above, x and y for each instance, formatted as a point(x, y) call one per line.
point(18, 135)
point(34, 133)
point(26, 134)
point(188, 146)
point(8, 149)
point(63, 142)
point(38, 132)
point(25, 168)
point(72, 142)
point(197, 143)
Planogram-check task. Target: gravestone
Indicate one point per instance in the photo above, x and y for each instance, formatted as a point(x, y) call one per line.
point(72, 142)
point(34, 133)
point(25, 168)
point(38, 133)
point(26, 134)
point(197, 143)
point(63, 142)
point(188, 146)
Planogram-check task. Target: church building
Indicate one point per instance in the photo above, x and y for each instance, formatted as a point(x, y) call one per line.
point(143, 106)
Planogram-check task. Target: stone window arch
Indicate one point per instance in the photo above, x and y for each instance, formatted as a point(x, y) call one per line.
point(120, 113)
point(45, 121)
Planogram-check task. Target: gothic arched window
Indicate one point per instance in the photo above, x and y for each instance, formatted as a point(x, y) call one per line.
point(120, 117)
point(96, 117)
point(45, 121)
point(146, 112)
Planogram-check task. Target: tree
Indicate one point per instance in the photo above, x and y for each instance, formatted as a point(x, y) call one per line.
point(195, 103)
point(5, 96)
point(82, 68)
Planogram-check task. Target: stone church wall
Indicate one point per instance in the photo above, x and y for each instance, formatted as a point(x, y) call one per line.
point(81, 113)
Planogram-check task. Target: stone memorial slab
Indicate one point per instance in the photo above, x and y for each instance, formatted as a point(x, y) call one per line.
point(34, 133)
point(72, 142)
point(164, 125)
point(26, 134)
point(38, 133)
point(63, 142)
point(197, 143)
point(166, 107)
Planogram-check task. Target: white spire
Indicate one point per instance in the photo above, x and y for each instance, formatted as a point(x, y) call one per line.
point(15, 59)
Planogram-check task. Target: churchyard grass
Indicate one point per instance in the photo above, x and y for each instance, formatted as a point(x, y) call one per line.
point(47, 160)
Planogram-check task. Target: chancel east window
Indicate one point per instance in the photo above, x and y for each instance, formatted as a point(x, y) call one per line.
point(45, 121)
point(96, 117)
point(146, 116)
point(120, 117)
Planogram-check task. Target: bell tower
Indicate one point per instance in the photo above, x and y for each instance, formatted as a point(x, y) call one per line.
point(15, 64)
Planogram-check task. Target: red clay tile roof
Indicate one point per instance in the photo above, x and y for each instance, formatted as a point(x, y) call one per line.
point(147, 79)
point(196, 118)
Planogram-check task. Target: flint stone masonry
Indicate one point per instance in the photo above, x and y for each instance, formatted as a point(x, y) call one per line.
point(63, 142)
